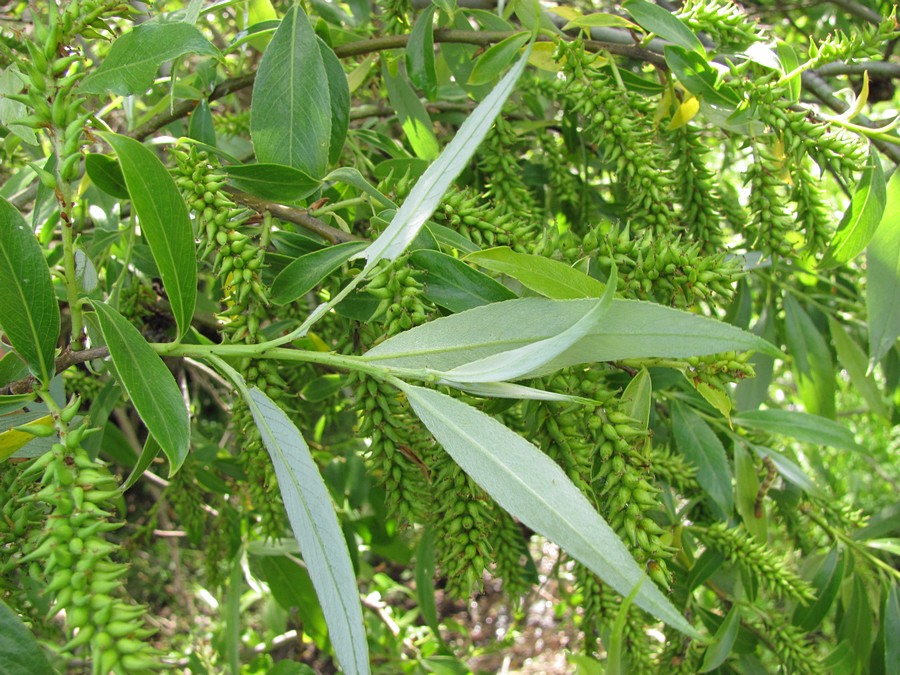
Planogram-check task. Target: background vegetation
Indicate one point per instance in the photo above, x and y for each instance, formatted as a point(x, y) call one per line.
point(409, 337)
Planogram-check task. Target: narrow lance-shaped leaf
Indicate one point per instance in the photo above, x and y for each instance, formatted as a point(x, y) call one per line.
point(316, 527)
point(522, 361)
point(339, 93)
point(414, 119)
point(883, 277)
point(451, 283)
point(29, 314)
point(534, 489)
point(19, 649)
point(802, 426)
point(428, 191)
point(134, 58)
point(861, 218)
point(662, 22)
point(302, 275)
point(700, 445)
point(852, 357)
point(490, 64)
point(164, 222)
point(290, 113)
point(149, 384)
point(420, 53)
point(630, 329)
point(811, 360)
point(551, 278)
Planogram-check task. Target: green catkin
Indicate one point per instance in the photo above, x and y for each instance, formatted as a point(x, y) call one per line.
point(564, 188)
point(397, 449)
point(623, 135)
point(463, 525)
point(672, 469)
point(510, 556)
point(771, 221)
point(498, 162)
point(793, 648)
point(680, 655)
point(73, 557)
point(762, 562)
point(668, 269)
point(239, 249)
point(482, 223)
point(723, 21)
point(813, 213)
point(697, 190)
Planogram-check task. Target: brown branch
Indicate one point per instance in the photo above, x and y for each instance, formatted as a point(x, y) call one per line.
point(297, 216)
point(479, 38)
point(65, 361)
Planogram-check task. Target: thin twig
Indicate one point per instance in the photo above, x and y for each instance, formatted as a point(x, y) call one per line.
point(480, 38)
point(297, 216)
point(66, 360)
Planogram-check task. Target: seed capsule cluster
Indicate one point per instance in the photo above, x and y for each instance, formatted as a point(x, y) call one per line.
point(760, 560)
point(74, 559)
point(666, 269)
point(624, 485)
point(396, 451)
point(482, 223)
point(498, 161)
point(622, 134)
point(463, 525)
point(400, 297)
point(723, 21)
point(697, 191)
point(238, 262)
point(770, 218)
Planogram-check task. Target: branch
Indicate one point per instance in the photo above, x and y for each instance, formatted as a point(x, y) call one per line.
point(297, 216)
point(480, 38)
point(66, 360)
point(874, 68)
point(856, 9)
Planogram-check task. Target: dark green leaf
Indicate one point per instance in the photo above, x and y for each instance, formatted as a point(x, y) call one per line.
point(861, 218)
point(12, 402)
point(789, 63)
point(339, 91)
point(454, 285)
point(892, 630)
point(29, 314)
point(657, 20)
point(746, 489)
point(699, 78)
point(200, 124)
point(106, 174)
point(631, 329)
point(883, 276)
point(789, 470)
point(149, 384)
point(302, 275)
point(414, 119)
point(11, 368)
point(290, 114)
point(548, 277)
point(702, 448)
point(802, 426)
point(272, 181)
point(148, 454)
point(164, 222)
point(532, 487)
point(491, 64)
point(19, 650)
point(811, 358)
point(852, 358)
point(826, 582)
point(723, 641)
point(420, 53)
point(135, 57)
point(856, 623)
point(425, 569)
point(316, 527)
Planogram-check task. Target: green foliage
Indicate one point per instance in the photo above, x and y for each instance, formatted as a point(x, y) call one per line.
point(299, 348)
